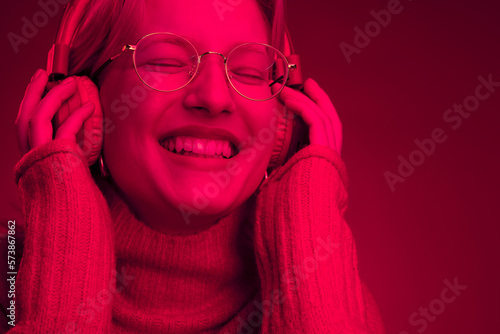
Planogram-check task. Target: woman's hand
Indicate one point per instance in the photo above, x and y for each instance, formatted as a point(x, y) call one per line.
point(34, 120)
point(318, 112)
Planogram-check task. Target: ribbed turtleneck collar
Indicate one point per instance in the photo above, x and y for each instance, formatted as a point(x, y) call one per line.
point(181, 283)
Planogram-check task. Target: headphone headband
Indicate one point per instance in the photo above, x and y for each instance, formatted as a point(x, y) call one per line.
point(295, 76)
point(57, 62)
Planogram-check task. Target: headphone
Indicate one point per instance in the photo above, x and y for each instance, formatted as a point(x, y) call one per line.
point(291, 134)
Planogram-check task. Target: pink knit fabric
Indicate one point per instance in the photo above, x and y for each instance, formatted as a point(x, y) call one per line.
point(285, 262)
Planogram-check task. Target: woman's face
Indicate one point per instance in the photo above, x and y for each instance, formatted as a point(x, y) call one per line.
point(174, 193)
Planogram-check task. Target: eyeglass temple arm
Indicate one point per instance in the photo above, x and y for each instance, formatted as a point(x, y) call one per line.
point(291, 67)
point(107, 62)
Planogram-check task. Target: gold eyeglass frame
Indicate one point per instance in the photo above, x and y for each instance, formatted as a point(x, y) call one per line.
point(132, 47)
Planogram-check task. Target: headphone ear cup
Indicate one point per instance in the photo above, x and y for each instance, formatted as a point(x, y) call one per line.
point(90, 135)
point(284, 129)
point(291, 136)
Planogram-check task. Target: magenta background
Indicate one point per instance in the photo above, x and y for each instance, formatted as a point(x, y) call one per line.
point(442, 222)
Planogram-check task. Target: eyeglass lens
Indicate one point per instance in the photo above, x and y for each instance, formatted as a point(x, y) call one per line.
point(168, 62)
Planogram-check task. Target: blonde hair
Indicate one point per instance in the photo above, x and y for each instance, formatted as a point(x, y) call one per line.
point(107, 24)
point(103, 28)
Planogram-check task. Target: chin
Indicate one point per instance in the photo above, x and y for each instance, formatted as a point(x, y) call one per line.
point(209, 198)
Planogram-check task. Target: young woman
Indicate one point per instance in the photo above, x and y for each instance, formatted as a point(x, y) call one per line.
point(181, 231)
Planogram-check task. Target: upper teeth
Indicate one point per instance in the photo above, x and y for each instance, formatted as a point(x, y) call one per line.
point(200, 146)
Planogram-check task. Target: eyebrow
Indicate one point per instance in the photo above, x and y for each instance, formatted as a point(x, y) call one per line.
point(172, 41)
point(196, 43)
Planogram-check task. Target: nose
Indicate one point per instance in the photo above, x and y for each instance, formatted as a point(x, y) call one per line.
point(210, 89)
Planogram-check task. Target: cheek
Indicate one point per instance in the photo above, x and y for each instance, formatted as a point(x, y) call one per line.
point(120, 113)
point(130, 109)
point(266, 125)
point(122, 97)
point(128, 118)
point(127, 103)
point(258, 146)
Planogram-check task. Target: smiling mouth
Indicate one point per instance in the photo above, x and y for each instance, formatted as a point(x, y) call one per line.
point(200, 147)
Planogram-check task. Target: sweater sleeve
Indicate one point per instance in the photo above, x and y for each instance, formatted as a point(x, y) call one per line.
point(65, 279)
point(306, 255)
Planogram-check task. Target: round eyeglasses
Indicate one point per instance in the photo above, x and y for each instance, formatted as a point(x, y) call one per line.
point(167, 62)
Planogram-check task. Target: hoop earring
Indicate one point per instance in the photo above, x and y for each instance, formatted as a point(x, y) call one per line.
point(102, 167)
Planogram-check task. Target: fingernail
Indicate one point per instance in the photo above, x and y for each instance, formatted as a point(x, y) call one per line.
point(37, 74)
point(68, 81)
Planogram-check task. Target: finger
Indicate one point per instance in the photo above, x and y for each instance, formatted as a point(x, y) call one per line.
point(40, 123)
point(321, 98)
point(70, 127)
point(310, 106)
point(318, 95)
point(30, 101)
point(317, 131)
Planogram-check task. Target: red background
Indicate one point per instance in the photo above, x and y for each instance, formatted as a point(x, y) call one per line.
point(439, 224)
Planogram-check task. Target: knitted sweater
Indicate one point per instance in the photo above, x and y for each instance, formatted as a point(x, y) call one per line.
point(284, 262)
